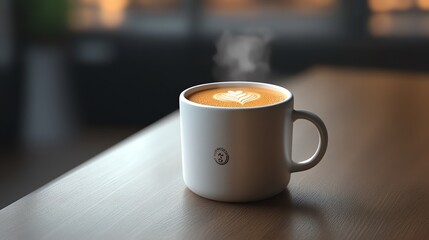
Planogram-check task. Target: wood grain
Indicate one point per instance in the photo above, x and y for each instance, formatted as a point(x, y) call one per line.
point(372, 183)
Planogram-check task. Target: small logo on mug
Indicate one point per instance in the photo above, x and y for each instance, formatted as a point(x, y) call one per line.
point(221, 156)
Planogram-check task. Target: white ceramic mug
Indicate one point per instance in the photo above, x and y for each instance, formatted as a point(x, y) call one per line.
point(241, 154)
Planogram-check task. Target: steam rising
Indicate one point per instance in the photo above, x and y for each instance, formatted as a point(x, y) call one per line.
point(242, 56)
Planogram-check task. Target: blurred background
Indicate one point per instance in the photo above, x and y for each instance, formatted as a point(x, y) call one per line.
point(77, 76)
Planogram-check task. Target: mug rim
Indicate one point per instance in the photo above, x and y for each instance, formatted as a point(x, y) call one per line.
point(185, 93)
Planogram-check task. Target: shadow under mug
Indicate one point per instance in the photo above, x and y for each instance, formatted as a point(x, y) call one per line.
point(255, 144)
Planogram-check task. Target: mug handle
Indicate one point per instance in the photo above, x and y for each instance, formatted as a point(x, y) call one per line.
point(323, 141)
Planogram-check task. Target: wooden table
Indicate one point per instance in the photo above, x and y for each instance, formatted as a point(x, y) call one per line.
point(372, 184)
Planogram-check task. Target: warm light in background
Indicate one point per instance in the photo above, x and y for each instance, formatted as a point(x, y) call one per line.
point(107, 13)
point(423, 4)
point(397, 5)
point(390, 5)
point(400, 18)
point(112, 12)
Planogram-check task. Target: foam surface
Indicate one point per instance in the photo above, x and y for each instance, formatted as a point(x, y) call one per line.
point(237, 97)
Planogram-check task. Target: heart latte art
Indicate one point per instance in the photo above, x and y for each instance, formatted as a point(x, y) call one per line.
point(238, 97)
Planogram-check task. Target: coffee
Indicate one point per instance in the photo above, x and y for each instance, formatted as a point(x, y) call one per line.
point(238, 97)
point(234, 153)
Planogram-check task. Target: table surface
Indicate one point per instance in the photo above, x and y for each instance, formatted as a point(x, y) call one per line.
point(373, 182)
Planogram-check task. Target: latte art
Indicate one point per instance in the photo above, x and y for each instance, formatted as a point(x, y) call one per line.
point(237, 96)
